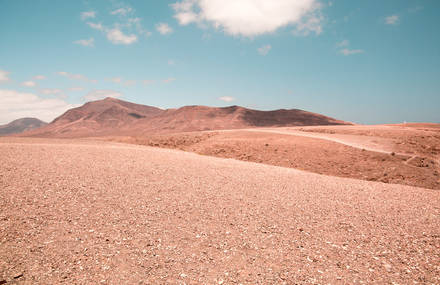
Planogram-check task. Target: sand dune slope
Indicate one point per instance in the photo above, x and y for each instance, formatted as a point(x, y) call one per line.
point(89, 212)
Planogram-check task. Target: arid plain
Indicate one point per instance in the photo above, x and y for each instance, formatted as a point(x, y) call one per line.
point(229, 203)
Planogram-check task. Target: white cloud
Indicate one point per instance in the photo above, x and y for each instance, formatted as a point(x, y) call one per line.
point(4, 76)
point(169, 80)
point(122, 11)
point(87, 43)
point(164, 28)
point(171, 62)
point(79, 77)
point(310, 24)
point(75, 89)
point(15, 105)
point(95, 95)
point(347, 51)
point(39, 77)
point(227, 98)
point(392, 20)
point(185, 13)
point(87, 15)
point(343, 43)
point(29, 83)
point(251, 17)
point(96, 26)
point(264, 50)
point(116, 36)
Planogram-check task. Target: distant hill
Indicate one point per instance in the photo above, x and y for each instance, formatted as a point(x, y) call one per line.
point(116, 117)
point(21, 125)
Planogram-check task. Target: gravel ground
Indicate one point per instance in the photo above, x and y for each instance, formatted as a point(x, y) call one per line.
point(80, 212)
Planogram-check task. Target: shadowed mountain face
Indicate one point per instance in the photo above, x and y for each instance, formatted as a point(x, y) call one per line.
point(21, 125)
point(113, 117)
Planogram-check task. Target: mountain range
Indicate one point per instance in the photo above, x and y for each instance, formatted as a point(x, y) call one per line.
point(112, 116)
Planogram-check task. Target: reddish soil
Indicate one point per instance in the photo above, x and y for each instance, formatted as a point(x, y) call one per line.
point(419, 139)
point(315, 155)
point(87, 212)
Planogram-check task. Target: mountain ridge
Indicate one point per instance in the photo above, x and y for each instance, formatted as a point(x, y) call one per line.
point(112, 116)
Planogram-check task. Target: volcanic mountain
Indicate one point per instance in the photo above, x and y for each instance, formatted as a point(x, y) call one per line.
point(21, 125)
point(113, 117)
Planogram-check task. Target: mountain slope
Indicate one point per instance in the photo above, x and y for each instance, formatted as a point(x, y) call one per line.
point(116, 117)
point(21, 125)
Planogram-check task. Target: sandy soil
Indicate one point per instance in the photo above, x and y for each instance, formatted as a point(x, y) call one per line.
point(418, 139)
point(82, 212)
point(399, 156)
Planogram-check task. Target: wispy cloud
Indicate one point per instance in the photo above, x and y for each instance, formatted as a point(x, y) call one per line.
point(88, 14)
point(227, 98)
point(79, 77)
point(264, 50)
point(101, 94)
point(344, 48)
point(347, 51)
point(86, 43)
point(39, 77)
point(312, 23)
point(164, 28)
point(125, 31)
point(96, 26)
point(4, 76)
point(120, 80)
point(122, 11)
point(116, 36)
point(343, 43)
point(29, 83)
point(392, 20)
point(51, 91)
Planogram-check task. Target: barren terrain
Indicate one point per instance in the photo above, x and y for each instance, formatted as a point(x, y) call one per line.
point(85, 212)
point(114, 117)
point(389, 154)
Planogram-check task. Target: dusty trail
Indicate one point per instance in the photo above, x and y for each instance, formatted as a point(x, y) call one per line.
point(88, 213)
point(375, 144)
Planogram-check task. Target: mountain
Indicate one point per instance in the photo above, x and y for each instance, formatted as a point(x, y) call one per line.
point(21, 125)
point(116, 117)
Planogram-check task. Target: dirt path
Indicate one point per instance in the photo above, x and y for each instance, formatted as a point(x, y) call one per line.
point(89, 213)
point(375, 144)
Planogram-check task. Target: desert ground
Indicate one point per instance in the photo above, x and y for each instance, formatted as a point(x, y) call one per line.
point(400, 154)
point(88, 211)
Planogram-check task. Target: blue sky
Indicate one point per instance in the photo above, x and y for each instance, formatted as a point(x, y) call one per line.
point(368, 62)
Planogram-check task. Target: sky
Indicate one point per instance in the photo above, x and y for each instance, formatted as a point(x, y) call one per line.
point(367, 62)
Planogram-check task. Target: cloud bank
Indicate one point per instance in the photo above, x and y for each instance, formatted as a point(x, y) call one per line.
point(95, 95)
point(15, 105)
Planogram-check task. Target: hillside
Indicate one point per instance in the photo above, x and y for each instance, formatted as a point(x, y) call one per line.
point(21, 125)
point(116, 117)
